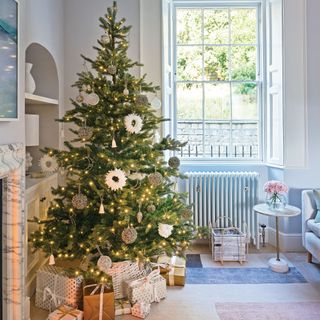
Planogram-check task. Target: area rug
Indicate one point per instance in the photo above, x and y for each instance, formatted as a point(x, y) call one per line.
point(241, 276)
point(194, 261)
point(269, 311)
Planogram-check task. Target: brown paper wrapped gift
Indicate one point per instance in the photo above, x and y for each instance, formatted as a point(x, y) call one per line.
point(98, 302)
point(175, 270)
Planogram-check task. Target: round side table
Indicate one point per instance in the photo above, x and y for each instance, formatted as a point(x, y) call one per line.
point(277, 264)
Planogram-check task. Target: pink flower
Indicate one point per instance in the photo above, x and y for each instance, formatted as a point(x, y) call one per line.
point(274, 186)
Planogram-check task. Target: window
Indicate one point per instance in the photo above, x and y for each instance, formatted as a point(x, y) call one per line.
point(217, 87)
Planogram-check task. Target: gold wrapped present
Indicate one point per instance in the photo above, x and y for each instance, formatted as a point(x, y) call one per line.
point(122, 306)
point(173, 270)
point(66, 313)
point(98, 302)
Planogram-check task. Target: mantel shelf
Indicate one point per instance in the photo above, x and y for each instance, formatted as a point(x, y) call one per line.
point(35, 99)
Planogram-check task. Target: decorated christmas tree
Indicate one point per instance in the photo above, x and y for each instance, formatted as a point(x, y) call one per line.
point(118, 200)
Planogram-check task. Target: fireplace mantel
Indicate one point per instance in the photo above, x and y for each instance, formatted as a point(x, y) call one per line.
point(12, 173)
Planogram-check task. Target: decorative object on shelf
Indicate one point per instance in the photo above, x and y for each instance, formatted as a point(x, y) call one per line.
point(85, 133)
point(165, 230)
point(55, 288)
point(121, 272)
point(142, 99)
point(129, 235)
point(101, 208)
point(51, 260)
point(148, 289)
point(104, 264)
point(156, 103)
point(275, 194)
point(112, 69)
point(98, 302)
point(116, 179)
point(133, 123)
point(66, 313)
point(30, 84)
point(137, 176)
point(28, 161)
point(105, 38)
point(48, 164)
point(151, 208)
point(141, 310)
point(79, 201)
point(155, 179)
point(92, 99)
point(32, 135)
point(175, 272)
point(174, 162)
point(122, 307)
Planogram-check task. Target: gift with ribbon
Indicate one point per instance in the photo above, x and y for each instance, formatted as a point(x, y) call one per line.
point(141, 309)
point(151, 288)
point(98, 302)
point(122, 306)
point(66, 313)
point(173, 269)
point(55, 288)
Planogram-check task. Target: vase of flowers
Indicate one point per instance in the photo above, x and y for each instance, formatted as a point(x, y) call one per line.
point(276, 191)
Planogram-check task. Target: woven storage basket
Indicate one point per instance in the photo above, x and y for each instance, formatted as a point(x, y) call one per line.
point(121, 272)
point(54, 288)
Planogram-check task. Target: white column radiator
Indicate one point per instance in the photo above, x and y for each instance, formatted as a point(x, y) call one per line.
point(231, 194)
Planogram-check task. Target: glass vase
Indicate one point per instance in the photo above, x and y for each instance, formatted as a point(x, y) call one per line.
point(276, 201)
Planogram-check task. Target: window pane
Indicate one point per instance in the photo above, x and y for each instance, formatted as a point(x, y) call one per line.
point(243, 63)
point(244, 101)
point(217, 101)
point(189, 101)
point(191, 131)
point(216, 26)
point(189, 23)
point(189, 63)
point(245, 139)
point(216, 63)
point(243, 26)
point(217, 139)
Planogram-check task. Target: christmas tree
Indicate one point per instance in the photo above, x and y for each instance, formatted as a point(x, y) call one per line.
point(119, 197)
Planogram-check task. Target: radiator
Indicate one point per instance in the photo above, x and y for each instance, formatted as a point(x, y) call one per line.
point(217, 194)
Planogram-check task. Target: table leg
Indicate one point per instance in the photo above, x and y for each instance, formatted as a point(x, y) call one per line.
point(277, 239)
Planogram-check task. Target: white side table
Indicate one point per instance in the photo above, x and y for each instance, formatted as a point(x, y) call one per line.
point(277, 264)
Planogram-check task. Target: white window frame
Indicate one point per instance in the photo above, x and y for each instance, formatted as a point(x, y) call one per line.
point(169, 81)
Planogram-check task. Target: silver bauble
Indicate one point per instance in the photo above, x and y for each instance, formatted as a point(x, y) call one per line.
point(142, 99)
point(151, 208)
point(155, 179)
point(129, 235)
point(85, 133)
point(174, 162)
point(79, 201)
point(112, 69)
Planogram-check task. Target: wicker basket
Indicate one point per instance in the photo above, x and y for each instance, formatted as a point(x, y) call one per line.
point(121, 272)
point(228, 243)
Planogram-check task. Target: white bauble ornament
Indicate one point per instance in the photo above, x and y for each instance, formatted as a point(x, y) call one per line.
point(105, 38)
point(48, 164)
point(133, 123)
point(92, 99)
point(129, 235)
point(137, 176)
point(156, 103)
point(51, 260)
point(112, 69)
point(104, 264)
point(85, 133)
point(79, 201)
point(116, 179)
point(165, 230)
point(139, 216)
point(155, 179)
point(126, 92)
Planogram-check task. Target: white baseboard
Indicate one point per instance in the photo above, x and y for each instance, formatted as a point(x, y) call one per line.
point(288, 241)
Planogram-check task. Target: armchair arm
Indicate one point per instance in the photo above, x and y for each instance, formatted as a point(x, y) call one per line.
point(308, 211)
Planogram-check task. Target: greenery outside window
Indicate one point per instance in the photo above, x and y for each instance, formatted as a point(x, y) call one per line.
point(218, 81)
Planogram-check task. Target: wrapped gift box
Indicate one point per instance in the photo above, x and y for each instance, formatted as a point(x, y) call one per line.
point(54, 288)
point(141, 309)
point(122, 306)
point(98, 298)
point(151, 288)
point(121, 272)
point(175, 272)
point(66, 313)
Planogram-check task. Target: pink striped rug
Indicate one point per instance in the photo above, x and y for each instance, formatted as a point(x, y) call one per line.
point(268, 310)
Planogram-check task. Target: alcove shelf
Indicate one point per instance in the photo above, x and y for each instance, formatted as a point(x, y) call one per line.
point(36, 99)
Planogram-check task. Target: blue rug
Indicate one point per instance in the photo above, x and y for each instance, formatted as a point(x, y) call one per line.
point(241, 276)
point(194, 261)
